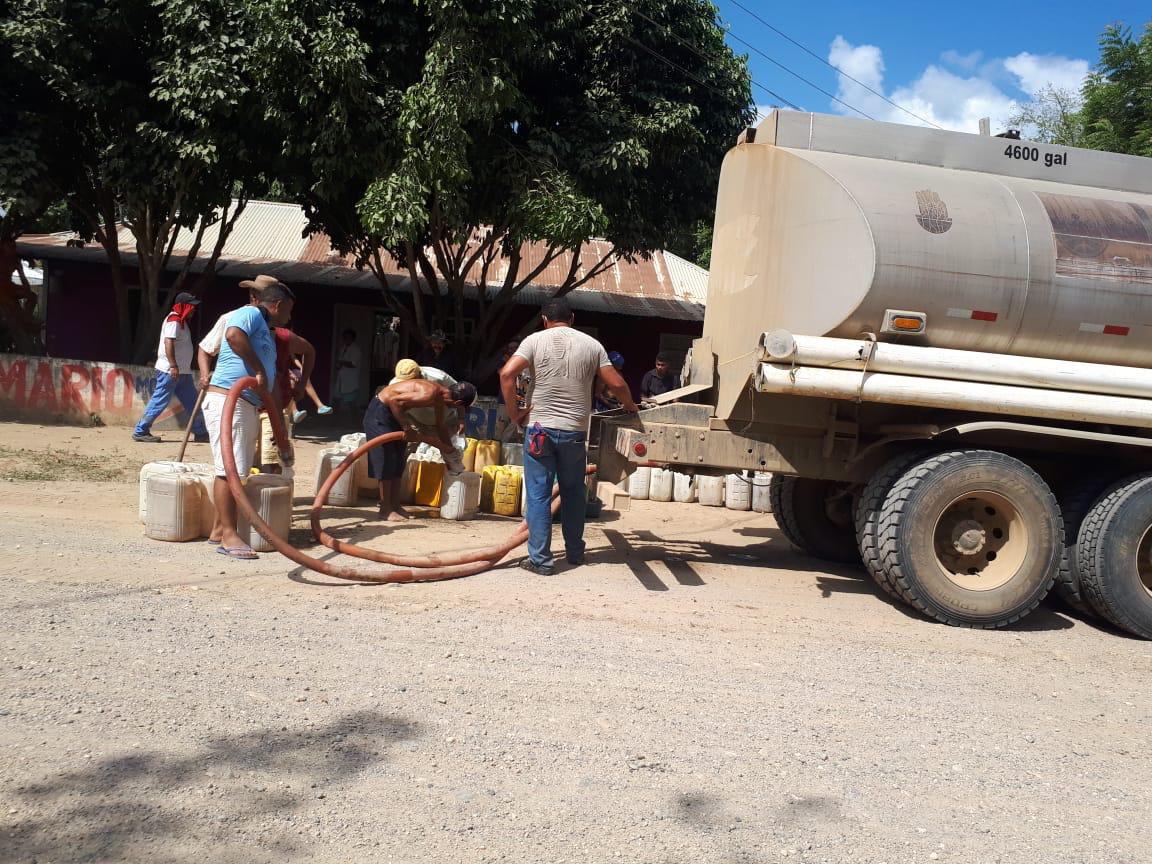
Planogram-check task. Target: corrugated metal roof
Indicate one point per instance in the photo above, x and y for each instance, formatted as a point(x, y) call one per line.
point(268, 238)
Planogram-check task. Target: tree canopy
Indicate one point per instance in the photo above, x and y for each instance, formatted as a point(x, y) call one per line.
point(442, 133)
point(1117, 113)
point(1053, 116)
point(547, 121)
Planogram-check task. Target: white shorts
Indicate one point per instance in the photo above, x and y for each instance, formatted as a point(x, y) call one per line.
point(245, 428)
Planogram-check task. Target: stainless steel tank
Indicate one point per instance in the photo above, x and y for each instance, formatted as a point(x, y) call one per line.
point(824, 223)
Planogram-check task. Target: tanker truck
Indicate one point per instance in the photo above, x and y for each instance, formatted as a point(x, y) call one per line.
point(939, 346)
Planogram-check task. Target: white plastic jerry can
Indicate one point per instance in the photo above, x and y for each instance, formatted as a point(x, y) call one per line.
point(460, 499)
point(738, 492)
point(761, 496)
point(710, 490)
point(271, 496)
point(174, 506)
point(512, 454)
point(640, 483)
point(345, 490)
point(660, 487)
point(683, 488)
point(151, 469)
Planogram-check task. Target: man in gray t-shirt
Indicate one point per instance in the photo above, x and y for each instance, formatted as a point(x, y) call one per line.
point(565, 363)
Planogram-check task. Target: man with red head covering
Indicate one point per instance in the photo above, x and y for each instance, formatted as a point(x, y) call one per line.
point(173, 371)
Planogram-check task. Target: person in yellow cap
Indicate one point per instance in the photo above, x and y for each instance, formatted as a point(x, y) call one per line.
point(406, 370)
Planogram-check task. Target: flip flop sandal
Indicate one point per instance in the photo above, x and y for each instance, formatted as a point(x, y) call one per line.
point(240, 553)
point(212, 542)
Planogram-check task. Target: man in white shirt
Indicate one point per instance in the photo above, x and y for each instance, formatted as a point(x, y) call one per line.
point(564, 363)
point(173, 372)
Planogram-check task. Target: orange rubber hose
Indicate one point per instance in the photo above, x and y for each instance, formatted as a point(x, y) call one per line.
point(425, 568)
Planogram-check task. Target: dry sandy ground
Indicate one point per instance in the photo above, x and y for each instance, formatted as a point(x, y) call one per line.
point(697, 693)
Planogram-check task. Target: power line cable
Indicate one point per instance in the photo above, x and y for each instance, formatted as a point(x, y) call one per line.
point(817, 87)
point(808, 50)
point(694, 77)
point(703, 56)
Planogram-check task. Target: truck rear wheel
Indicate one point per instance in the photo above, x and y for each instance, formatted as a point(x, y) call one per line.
point(1075, 500)
point(867, 516)
point(972, 538)
point(1114, 554)
point(815, 516)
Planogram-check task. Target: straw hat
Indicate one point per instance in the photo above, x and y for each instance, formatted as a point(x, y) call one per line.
point(259, 283)
point(407, 370)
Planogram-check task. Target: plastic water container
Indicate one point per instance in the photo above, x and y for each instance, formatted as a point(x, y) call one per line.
point(512, 454)
point(461, 497)
point(640, 484)
point(352, 440)
point(207, 480)
point(152, 469)
point(408, 480)
point(683, 487)
point(738, 492)
point(345, 492)
point(660, 485)
point(507, 490)
point(271, 496)
point(429, 453)
point(487, 453)
point(174, 502)
point(470, 445)
point(761, 498)
point(710, 490)
point(428, 483)
point(487, 487)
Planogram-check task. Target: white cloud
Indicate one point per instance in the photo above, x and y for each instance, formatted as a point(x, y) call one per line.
point(983, 88)
point(1039, 71)
point(963, 61)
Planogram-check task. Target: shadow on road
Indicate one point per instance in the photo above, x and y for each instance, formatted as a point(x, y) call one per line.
point(111, 809)
point(637, 550)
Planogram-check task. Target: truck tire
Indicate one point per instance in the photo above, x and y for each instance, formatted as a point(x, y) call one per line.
point(1112, 553)
point(815, 516)
point(971, 538)
point(1075, 500)
point(867, 516)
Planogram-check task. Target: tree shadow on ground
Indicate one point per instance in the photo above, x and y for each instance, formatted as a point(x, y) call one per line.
point(178, 806)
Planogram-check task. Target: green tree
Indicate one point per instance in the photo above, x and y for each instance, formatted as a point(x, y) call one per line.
point(535, 121)
point(1053, 116)
point(169, 127)
point(1117, 112)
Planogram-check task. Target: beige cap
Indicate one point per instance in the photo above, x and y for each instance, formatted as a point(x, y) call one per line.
point(407, 370)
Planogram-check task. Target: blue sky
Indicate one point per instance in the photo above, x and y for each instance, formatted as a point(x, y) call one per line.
point(950, 63)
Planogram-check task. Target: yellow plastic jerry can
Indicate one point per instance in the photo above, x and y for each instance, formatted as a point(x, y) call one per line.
point(470, 445)
point(429, 482)
point(506, 491)
point(487, 453)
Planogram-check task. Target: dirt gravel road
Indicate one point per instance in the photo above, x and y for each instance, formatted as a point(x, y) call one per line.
point(697, 693)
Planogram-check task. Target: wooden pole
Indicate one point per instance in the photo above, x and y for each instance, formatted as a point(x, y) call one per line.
point(191, 422)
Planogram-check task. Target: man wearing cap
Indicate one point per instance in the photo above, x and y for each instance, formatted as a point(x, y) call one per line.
point(173, 371)
point(210, 345)
point(438, 354)
point(389, 412)
point(249, 349)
